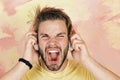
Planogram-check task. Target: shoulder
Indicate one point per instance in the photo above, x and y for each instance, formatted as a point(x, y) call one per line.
point(74, 64)
point(80, 71)
point(34, 73)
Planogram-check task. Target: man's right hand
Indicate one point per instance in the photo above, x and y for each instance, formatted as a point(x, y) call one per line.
point(31, 47)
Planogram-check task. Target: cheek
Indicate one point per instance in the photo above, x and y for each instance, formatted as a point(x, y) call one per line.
point(42, 45)
point(64, 43)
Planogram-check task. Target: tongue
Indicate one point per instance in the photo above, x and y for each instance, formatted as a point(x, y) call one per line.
point(53, 56)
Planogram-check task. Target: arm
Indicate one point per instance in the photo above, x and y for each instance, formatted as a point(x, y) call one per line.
point(81, 54)
point(18, 71)
point(99, 71)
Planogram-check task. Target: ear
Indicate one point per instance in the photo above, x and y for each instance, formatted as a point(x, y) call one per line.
point(73, 31)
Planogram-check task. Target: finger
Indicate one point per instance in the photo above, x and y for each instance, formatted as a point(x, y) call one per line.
point(76, 44)
point(31, 34)
point(75, 36)
point(32, 37)
point(31, 41)
point(77, 47)
point(74, 41)
point(77, 26)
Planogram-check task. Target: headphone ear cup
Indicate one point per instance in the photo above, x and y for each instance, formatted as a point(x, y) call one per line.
point(36, 47)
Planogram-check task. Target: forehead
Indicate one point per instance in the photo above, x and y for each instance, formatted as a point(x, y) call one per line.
point(51, 26)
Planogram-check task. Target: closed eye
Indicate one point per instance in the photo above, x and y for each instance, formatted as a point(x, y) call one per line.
point(44, 36)
point(61, 35)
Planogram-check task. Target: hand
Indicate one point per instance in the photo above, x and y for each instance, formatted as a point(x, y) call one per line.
point(31, 47)
point(79, 52)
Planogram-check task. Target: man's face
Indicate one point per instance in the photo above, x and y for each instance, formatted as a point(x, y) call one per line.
point(53, 43)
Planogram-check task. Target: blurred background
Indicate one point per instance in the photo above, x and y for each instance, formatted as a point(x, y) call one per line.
point(98, 20)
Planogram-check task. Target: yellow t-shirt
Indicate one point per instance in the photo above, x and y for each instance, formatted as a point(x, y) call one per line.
point(73, 71)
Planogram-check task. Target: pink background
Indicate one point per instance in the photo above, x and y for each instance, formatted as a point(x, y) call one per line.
point(98, 20)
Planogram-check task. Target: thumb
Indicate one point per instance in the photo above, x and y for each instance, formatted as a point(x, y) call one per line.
point(75, 55)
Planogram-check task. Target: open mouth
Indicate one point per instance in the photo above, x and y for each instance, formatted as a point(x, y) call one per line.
point(53, 56)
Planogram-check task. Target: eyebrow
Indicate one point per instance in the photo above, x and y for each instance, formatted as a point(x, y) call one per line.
point(43, 34)
point(61, 33)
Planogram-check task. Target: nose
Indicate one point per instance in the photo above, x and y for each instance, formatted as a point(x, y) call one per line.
point(52, 42)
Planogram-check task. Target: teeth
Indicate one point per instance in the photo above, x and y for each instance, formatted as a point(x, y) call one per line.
point(53, 51)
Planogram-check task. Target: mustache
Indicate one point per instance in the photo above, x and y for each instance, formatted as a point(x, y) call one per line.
point(55, 47)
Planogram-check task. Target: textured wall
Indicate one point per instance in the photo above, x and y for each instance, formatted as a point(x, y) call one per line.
point(98, 20)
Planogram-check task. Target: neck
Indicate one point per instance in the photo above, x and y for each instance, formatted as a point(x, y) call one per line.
point(41, 62)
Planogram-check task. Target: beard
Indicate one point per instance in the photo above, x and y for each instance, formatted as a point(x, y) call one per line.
point(54, 67)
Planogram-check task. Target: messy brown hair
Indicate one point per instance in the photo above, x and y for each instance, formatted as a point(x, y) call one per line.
point(51, 13)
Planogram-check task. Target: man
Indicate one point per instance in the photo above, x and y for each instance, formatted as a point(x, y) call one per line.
point(48, 43)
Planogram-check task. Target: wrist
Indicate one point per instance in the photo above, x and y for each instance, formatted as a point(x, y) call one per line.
point(26, 62)
point(86, 61)
point(28, 58)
